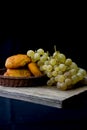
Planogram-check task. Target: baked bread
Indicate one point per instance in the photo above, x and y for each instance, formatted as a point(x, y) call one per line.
point(34, 69)
point(17, 73)
point(17, 61)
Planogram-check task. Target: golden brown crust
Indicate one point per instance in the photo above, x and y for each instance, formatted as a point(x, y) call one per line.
point(16, 61)
point(34, 69)
point(18, 73)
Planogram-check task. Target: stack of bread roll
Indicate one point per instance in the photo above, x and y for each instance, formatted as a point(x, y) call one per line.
point(20, 65)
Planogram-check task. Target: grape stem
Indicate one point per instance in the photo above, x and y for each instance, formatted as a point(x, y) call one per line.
point(55, 48)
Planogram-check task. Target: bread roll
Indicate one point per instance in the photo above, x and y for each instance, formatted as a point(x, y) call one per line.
point(34, 69)
point(17, 61)
point(18, 73)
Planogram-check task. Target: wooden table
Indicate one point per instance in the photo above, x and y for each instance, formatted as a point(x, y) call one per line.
point(43, 107)
point(49, 96)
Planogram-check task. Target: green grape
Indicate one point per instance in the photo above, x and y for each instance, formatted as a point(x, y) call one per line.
point(61, 58)
point(49, 74)
point(68, 61)
point(56, 68)
point(56, 78)
point(82, 71)
point(30, 53)
point(55, 54)
point(73, 71)
point(61, 86)
point(62, 72)
point(34, 60)
point(40, 63)
point(61, 78)
point(68, 81)
point(62, 67)
point(54, 73)
point(80, 76)
point(46, 62)
point(40, 51)
point(67, 74)
point(52, 61)
point(46, 54)
point(74, 66)
point(44, 57)
point(44, 67)
point(49, 68)
point(74, 79)
point(36, 56)
point(51, 81)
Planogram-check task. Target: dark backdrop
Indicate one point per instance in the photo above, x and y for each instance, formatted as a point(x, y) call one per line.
point(68, 36)
point(35, 29)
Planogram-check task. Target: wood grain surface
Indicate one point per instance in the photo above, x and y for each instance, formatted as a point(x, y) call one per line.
point(49, 96)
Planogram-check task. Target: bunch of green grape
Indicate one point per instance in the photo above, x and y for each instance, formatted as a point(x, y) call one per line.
point(62, 71)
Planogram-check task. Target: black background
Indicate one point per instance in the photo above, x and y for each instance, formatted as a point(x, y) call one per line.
point(26, 30)
point(23, 28)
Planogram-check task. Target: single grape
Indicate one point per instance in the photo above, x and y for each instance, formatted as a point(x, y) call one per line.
point(51, 81)
point(49, 68)
point(46, 62)
point(44, 57)
point(49, 74)
point(67, 74)
point(55, 54)
point(44, 67)
point(56, 78)
point(61, 86)
point(61, 78)
point(30, 53)
point(74, 66)
point(74, 79)
point(60, 72)
point(82, 71)
point(73, 71)
point(36, 56)
point(68, 81)
point(54, 73)
point(56, 68)
point(61, 58)
point(52, 61)
point(80, 76)
point(40, 51)
point(40, 63)
point(68, 61)
point(62, 67)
